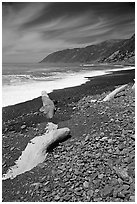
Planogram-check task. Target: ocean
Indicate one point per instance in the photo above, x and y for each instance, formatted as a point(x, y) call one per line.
point(25, 81)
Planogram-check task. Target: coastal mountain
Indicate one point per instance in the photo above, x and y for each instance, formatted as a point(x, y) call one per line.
point(110, 51)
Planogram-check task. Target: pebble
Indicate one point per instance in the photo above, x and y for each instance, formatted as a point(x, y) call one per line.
point(132, 136)
point(104, 138)
point(86, 184)
point(56, 156)
point(90, 193)
point(110, 141)
point(56, 197)
point(46, 189)
point(121, 147)
point(100, 176)
point(114, 181)
point(121, 195)
point(102, 134)
point(107, 191)
point(121, 172)
point(23, 127)
point(12, 148)
point(97, 190)
point(132, 198)
point(87, 137)
point(110, 151)
point(126, 187)
point(97, 199)
point(77, 172)
point(120, 180)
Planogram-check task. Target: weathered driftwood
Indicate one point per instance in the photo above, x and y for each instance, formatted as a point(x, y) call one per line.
point(48, 105)
point(36, 150)
point(133, 87)
point(115, 92)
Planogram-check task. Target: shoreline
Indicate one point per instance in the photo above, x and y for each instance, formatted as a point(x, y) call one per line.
point(92, 80)
point(76, 79)
point(83, 118)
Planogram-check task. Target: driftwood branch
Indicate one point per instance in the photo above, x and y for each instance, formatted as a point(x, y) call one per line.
point(133, 87)
point(36, 150)
point(115, 92)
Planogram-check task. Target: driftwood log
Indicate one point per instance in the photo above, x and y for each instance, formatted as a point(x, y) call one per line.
point(133, 87)
point(48, 105)
point(36, 150)
point(115, 92)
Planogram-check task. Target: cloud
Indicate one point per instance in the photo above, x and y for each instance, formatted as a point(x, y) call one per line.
point(33, 30)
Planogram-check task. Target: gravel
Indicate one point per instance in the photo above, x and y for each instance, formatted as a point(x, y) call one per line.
point(96, 164)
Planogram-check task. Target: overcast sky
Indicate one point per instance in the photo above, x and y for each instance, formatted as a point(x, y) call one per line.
point(30, 31)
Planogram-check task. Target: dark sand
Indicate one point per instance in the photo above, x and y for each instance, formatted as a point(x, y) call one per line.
point(73, 169)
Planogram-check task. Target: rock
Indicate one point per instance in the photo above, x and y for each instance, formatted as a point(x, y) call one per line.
point(102, 134)
point(100, 176)
point(97, 199)
point(132, 198)
point(121, 147)
point(48, 105)
point(93, 176)
point(103, 139)
point(114, 181)
point(121, 195)
point(107, 191)
point(47, 189)
point(120, 181)
point(93, 100)
point(77, 172)
point(90, 193)
point(110, 141)
point(37, 185)
point(115, 193)
point(67, 197)
point(125, 187)
point(121, 172)
point(87, 137)
point(96, 183)
point(12, 148)
point(41, 165)
point(110, 151)
point(23, 127)
point(57, 197)
point(132, 136)
point(56, 156)
point(86, 184)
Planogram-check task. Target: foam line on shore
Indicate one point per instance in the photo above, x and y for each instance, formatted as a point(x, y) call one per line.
point(12, 95)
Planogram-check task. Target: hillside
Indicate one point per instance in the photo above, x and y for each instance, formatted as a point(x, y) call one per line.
point(109, 51)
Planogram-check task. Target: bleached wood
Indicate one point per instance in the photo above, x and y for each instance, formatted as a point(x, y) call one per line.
point(48, 105)
point(36, 150)
point(115, 92)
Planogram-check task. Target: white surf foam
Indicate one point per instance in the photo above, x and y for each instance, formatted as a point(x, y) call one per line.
point(14, 94)
point(21, 92)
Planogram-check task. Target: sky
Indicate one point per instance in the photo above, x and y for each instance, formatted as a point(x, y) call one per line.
point(31, 31)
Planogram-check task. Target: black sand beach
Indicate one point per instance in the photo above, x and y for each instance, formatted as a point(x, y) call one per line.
point(95, 164)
